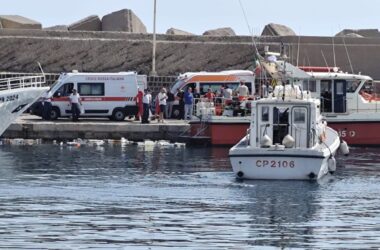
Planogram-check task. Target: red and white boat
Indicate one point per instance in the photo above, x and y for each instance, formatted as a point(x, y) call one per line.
point(350, 103)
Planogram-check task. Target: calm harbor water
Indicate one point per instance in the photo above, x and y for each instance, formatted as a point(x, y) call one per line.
point(60, 197)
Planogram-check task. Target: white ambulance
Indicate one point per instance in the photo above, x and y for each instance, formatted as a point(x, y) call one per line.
point(111, 95)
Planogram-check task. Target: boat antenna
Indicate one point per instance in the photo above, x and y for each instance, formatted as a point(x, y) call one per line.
point(298, 49)
point(324, 58)
point(348, 56)
point(250, 30)
point(333, 45)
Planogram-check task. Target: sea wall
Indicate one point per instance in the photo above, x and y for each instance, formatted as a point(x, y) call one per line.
point(63, 51)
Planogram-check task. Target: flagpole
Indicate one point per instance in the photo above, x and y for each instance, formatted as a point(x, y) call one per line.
point(153, 72)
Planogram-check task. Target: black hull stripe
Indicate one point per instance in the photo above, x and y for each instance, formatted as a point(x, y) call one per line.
point(276, 155)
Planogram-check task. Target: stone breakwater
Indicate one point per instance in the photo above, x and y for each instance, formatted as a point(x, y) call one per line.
point(63, 51)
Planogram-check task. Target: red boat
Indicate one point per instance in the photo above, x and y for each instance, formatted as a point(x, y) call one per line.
point(349, 102)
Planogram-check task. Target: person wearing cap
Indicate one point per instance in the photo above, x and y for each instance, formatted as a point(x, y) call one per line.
point(147, 100)
point(75, 102)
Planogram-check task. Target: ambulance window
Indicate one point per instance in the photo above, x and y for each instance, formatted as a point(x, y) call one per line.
point(64, 90)
point(91, 89)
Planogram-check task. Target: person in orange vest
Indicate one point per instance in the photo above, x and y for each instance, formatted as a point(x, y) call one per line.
point(139, 103)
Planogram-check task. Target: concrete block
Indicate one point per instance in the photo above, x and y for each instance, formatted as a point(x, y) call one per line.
point(273, 29)
point(173, 31)
point(90, 23)
point(220, 32)
point(18, 22)
point(58, 27)
point(360, 32)
point(123, 20)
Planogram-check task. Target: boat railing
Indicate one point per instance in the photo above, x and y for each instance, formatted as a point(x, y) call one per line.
point(218, 106)
point(22, 82)
point(313, 137)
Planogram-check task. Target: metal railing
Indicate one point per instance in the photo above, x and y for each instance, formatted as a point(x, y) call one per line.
point(22, 82)
point(218, 105)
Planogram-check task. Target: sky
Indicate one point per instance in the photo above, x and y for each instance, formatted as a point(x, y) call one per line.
point(305, 17)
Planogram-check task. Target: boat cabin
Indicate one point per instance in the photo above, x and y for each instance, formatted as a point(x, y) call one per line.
point(274, 120)
point(341, 92)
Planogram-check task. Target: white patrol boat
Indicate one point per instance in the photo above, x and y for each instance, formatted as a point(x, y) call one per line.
point(16, 95)
point(288, 139)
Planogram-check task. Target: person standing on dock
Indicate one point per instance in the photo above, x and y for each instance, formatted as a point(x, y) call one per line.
point(46, 105)
point(139, 102)
point(181, 103)
point(189, 102)
point(162, 96)
point(169, 105)
point(147, 100)
point(75, 101)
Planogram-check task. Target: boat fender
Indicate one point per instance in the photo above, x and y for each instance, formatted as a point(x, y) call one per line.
point(344, 148)
point(240, 174)
point(331, 164)
point(266, 141)
point(288, 141)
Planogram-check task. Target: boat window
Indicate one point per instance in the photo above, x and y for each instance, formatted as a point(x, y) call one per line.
point(299, 115)
point(265, 114)
point(310, 85)
point(339, 87)
point(326, 96)
point(367, 87)
point(352, 85)
point(65, 90)
point(280, 115)
point(280, 123)
point(91, 89)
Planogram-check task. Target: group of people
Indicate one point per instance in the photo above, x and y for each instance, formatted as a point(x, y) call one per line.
point(164, 102)
point(145, 102)
point(74, 100)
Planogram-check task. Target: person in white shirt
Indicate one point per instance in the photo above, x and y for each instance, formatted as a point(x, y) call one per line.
point(243, 91)
point(147, 100)
point(75, 101)
point(46, 101)
point(227, 93)
point(162, 102)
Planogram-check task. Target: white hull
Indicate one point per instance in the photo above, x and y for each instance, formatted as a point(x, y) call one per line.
point(283, 164)
point(14, 102)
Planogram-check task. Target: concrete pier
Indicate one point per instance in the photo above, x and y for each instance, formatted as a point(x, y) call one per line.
point(33, 127)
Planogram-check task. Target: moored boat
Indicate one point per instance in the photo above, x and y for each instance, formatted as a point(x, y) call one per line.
point(16, 95)
point(288, 138)
point(350, 103)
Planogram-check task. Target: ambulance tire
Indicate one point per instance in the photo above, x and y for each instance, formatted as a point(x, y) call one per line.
point(118, 114)
point(54, 113)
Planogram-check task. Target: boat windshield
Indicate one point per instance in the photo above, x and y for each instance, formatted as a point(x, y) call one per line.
point(369, 88)
point(352, 85)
